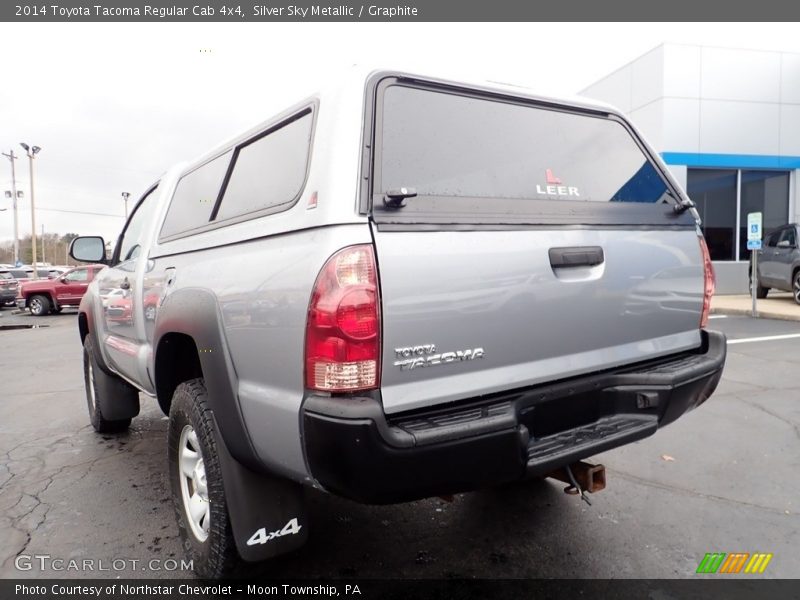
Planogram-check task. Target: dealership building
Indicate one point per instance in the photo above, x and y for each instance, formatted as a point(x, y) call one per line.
point(727, 123)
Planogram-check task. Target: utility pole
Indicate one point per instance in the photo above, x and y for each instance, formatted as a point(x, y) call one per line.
point(43, 258)
point(12, 157)
point(31, 151)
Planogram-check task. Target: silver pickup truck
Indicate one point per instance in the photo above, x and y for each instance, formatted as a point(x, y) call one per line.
point(399, 288)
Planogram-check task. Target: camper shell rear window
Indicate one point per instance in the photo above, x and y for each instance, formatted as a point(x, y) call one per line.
point(472, 157)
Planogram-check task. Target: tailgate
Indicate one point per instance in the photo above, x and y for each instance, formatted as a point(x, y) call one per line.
point(471, 313)
point(520, 242)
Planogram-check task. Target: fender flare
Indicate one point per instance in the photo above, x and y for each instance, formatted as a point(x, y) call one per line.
point(194, 312)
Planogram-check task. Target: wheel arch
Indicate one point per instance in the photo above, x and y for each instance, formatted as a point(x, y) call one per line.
point(189, 342)
point(83, 325)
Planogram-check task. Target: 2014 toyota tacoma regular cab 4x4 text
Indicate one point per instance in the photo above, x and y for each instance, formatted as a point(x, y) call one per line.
point(438, 286)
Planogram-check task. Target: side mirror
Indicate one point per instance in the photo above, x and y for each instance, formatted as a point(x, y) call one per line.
point(88, 249)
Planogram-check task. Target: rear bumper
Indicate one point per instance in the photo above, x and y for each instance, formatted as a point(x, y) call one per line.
point(354, 450)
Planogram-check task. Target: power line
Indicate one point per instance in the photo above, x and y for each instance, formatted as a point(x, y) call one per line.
point(81, 212)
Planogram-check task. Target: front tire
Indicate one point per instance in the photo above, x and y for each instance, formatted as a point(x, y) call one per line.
point(196, 480)
point(39, 305)
point(796, 287)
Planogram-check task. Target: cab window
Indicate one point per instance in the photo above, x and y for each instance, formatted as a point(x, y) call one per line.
point(77, 275)
point(132, 238)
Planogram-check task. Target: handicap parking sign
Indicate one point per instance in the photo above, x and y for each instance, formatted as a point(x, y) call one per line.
point(754, 226)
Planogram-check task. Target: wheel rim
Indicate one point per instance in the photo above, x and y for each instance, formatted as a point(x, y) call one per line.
point(194, 486)
point(92, 399)
point(36, 305)
point(797, 288)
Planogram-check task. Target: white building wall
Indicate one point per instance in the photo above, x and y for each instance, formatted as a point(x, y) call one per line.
point(704, 101)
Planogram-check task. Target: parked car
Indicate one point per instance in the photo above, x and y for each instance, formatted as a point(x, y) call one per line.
point(24, 273)
point(51, 295)
point(8, 288)
point(438, 287)
point(779, 262)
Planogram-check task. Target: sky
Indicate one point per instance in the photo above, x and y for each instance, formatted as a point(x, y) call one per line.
point(115, 105)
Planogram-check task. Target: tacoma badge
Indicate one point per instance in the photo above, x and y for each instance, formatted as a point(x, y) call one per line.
point(422, 356)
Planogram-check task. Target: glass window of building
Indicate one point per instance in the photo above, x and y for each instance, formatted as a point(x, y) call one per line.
point(725, 197)
point(766, 192)
point(714, 192)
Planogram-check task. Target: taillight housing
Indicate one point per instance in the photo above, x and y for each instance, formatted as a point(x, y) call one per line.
point(343, 340)
point(709, 282)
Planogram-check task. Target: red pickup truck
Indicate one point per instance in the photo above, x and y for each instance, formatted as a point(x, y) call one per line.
point(43, 296)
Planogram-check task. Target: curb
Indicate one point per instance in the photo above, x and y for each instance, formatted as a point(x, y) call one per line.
point(761, 314)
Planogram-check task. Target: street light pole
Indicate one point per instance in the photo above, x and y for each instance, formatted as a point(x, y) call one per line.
point(32, 151)
point(125, 196)
point(12, 157)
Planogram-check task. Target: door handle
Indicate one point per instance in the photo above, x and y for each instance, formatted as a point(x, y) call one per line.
point(577, 256)
point(125, 285)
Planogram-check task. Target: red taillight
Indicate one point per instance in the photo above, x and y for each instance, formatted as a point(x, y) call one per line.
point(343, 328)
point(708, 283)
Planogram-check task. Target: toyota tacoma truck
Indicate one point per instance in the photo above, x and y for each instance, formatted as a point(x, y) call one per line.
point(401, 287)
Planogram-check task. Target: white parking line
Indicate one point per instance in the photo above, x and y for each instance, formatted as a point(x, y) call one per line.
point(767, 338)
point(718, 317)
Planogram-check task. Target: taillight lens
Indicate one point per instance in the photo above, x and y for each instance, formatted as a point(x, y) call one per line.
point(708, 284)
point(343, 327)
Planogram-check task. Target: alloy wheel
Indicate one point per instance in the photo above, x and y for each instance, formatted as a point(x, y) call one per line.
point(194, 486)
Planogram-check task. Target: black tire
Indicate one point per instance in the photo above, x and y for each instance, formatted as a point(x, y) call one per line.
point(55, 310)
point(98, 382)
point(215, 556)
point(796, 286)
point(761, 292)
point(39, 305)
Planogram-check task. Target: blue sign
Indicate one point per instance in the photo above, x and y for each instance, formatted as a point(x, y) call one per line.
point(754, 244)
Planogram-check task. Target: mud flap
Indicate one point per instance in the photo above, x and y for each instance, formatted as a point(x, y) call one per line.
point(117, 398)
point(267, 513)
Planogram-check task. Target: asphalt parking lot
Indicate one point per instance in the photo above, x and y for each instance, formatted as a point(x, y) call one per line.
point(721, 479)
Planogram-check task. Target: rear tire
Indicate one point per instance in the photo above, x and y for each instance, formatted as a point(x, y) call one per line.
point(39, 305)
point(96, 380)
point(761, 292)
point(196, 479)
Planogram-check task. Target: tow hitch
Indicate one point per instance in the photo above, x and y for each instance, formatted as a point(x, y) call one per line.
point(582, 477)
